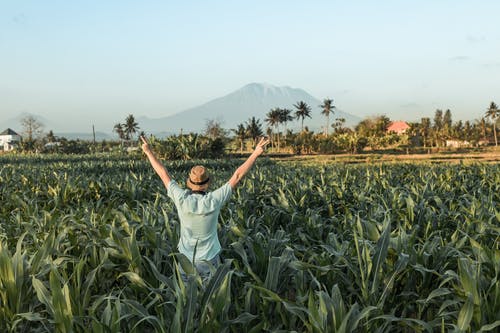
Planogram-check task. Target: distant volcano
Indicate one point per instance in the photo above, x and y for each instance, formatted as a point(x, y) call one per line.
point(253, 100)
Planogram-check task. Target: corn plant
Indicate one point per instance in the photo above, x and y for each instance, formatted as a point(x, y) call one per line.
point(89, 244)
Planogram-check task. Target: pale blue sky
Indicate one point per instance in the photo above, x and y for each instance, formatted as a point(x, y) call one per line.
point(97, 61)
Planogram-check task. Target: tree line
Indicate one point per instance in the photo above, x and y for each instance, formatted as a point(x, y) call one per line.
point(370, 133)
point(214, 141)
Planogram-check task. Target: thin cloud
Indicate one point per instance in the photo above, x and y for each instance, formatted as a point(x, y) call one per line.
point(475, 39)
point(460, 58)
point(492, 65)
point(19, 18)
point(410, 105)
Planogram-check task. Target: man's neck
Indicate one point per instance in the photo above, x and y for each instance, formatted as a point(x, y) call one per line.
point(199, 192)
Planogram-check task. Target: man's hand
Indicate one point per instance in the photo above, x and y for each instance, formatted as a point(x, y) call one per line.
point(243, 169)
point(155, 163)
point(145, 145)
point(263, 142)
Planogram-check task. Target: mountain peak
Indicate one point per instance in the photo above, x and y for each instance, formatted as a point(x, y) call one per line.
point(265, 89)
point(251, 100)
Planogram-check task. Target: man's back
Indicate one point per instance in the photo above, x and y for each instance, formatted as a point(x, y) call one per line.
point(198, 214)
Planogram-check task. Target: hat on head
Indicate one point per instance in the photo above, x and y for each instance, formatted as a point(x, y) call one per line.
point(198, 178)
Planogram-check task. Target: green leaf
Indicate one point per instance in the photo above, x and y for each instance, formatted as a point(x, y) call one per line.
point(42, 294)
point(489, 327)
point(191, 298)
point(434, 294)
point(134, 278)
point(380, 254)
point(243, 318)
point(273, 271)
point(465, 315)
point(214, 285)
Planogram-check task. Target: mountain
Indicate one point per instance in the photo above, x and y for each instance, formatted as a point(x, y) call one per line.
point(252, 100)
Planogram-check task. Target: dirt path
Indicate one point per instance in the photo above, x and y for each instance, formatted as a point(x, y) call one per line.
point(490, 156)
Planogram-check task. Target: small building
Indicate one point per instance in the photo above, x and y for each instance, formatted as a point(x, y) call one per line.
point(9, 139)
point(398, 127)
point(52, 145)
point(483, 143)
point(458, 143)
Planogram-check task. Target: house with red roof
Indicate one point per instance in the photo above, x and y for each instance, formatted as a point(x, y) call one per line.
point(398, 127)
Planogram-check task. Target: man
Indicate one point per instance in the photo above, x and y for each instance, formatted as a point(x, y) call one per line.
point(199, 210)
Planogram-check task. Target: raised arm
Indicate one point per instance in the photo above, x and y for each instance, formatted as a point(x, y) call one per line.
point(247, 165)
point(157, 166)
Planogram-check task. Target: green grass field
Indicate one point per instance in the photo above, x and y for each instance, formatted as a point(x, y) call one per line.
point(88, 244)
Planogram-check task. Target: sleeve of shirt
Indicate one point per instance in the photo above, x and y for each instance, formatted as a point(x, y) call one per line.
point(223, 193)
point(174, 191)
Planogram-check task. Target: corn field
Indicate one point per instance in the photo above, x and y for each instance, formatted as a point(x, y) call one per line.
point(88, 244)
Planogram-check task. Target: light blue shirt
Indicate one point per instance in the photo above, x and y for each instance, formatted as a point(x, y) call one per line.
point(198, 215)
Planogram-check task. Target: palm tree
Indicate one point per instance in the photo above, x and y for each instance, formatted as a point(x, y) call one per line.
point(328, 108)
point(468, 130)
point(241, 135)
point(273, 119)
point(285, 117)
point(481, 124)
point(118, 128)
point(438, 126)
point(447, 124)
point(493, 113)
point(303, 111)
point(130, 127)
point(254, 129)
point(424, 129)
